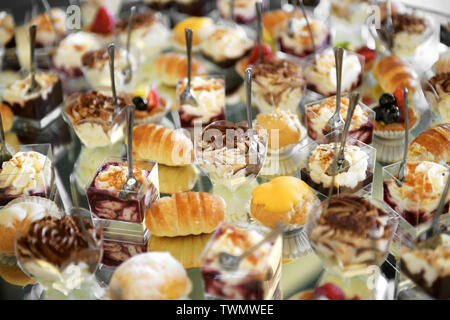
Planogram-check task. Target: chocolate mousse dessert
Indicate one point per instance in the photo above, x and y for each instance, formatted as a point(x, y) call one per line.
point(38, 103)
point(351, 233)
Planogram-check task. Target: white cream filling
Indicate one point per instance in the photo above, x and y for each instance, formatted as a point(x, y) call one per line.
point(406, 43)
point(71, 49)
point(93, 135)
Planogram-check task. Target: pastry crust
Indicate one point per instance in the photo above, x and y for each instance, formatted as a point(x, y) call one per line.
point(163, 145)
point(432, 144)
point(394, 73)
point(184, 214)
point(150, 276)
point(171, 67)
point(176, 179)
point(7, 117)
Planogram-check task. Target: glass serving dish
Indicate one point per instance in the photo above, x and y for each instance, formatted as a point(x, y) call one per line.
point(416, 199)
point(29, 172)
point(63, 274)
point(318, 113)
point(350, 233)
point(356, 177)
point(209, 93)
point(122, 214)
point(257, 276)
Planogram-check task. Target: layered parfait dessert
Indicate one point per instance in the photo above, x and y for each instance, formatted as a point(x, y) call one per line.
point(27, 173)
point(36, 104)
point(105, 201)
point(319, 113)
point(429, 266)
point(96, 68)
point(116, 252)
point(299, 42)
point(224, 45)
point(209, 93)
point(257, 276)
point(277, 84)
point(355, 177)
point(417, 197)
point(149, 34)
point(350, 233)
point(244, 10)
point(94, 118)
point(231, 154)
point(321, 73)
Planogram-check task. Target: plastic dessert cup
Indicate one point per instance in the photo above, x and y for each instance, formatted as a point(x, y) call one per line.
point(123, 215)
point(415, 216)
point(209, 92)
point(356, 178)
point(70, 275)
point(349, 244)
point(26, 180)
point(257, 276)
point(317, 125)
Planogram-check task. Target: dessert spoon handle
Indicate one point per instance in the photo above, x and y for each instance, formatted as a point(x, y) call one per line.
point(32, 57)
point(308, 25)
point(48, 9)
point(258, 6)
point(111, 52)
point(338, 57)
point(130, 28)
point(130, 123)
point(188, 33)
point(272, 234)
point(354, 99)
point(401, 170)
point(248, 91)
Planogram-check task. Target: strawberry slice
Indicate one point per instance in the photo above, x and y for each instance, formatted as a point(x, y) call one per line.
point(398, 94)
point(254, 55)
point(153, 98)
point(330, 291)
point(367, 53)
point(104, 21)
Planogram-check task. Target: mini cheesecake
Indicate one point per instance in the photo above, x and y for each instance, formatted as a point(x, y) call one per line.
point(37, 104)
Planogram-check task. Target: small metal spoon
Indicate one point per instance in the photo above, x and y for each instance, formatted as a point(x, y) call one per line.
point(401, 169)
point(231, 262)
point(336, 120)
point(34, 86)
point(128, 71)
point(132, 184)
point(341, 163)
point(258, 6)
point(111, 52)
point(308, 25)
point(248, 92)
point(5, 155)
point(187, 97)
point(389, 25)
point(231, 17)
point(48, 10)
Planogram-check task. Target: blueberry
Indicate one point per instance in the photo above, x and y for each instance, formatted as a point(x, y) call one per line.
point(387, 114)
point(140, 103)
point(387, 99)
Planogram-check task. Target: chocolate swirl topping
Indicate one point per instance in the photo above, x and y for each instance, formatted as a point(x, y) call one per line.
point(54, 240)
point(352, 213)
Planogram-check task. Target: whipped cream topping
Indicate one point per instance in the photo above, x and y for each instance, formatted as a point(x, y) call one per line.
point(26, 171)
point(301, 40)
point(17, 93)
point(114, 176)
point(210, 96)
point(242, 8)
point(224, 43)
point(319, 114)
point(322, 158)
point(422, 186)
point(429, 263)
point(322, 72)
point(6, 28)
point(443, 63)
point(89, 8)
point(17, 212)
point(45, 34)
point(71, 49)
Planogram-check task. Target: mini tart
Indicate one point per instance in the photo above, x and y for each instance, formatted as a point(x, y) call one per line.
point(283, 199)
point(198, 25)
point(396, 130)
point(290, 130)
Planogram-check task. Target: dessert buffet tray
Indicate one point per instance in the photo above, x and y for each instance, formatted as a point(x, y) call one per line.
point(74, 187)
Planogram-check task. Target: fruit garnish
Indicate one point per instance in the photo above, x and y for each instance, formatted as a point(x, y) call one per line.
point(104, 21)
point(398, 94)
point(330, 291)
point(387, 114)
point(254, 55)
point(343, 44)
point(140, 103)
point(387, 99)
point(141, 90)
point(367, 53)
point(367, 100)
point(153, 98)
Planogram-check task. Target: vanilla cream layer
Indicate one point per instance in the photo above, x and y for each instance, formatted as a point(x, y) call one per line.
point(71, 49)
point(323, 156)
point(406, 43)
point(289, 98)
point(94, 135)
point(31, 211)
point(149, 39)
